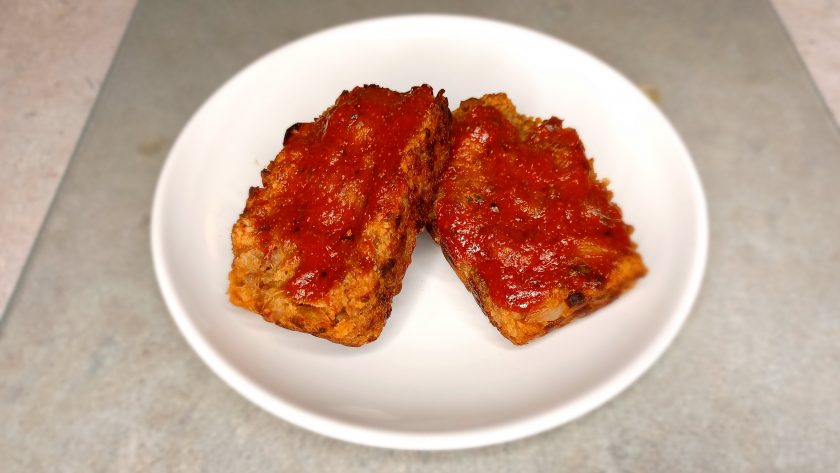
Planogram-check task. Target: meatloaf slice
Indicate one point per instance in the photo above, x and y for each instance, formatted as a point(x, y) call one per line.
point(525, 222)
point(323, 244)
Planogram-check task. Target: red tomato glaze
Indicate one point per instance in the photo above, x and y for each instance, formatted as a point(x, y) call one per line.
point(333, 176)
point(526, 210)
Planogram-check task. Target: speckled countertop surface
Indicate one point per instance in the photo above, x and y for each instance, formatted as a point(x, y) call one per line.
point(53, 58)
point(95, 377)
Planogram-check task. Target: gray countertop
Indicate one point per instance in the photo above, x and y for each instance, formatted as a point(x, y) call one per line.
point(94, 375)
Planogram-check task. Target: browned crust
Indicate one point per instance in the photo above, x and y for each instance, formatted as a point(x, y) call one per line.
point(355, 310)
point(556, 311)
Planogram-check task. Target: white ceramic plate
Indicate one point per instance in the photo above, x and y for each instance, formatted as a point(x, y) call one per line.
point(440, 376)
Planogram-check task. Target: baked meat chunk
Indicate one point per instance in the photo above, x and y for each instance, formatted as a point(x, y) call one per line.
point(526, 224)
point(323, 244)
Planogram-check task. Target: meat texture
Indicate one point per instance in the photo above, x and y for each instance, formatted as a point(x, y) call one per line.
point(323, 244)
point(526, 224)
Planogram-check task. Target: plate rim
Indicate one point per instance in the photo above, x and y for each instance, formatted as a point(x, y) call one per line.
point(514, 429)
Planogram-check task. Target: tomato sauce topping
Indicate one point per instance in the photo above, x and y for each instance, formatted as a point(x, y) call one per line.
point(333, 176)
point(526, 210)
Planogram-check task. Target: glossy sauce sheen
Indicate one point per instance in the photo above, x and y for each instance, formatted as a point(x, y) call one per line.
point(332, 177)
point(527, 211)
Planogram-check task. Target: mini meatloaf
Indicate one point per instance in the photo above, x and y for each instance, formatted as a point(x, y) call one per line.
point(323, 244)
point(526, 224)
